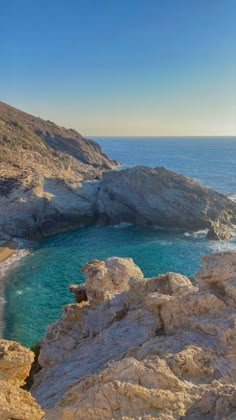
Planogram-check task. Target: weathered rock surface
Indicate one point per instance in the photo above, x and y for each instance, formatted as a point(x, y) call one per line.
point(154, 348)
point(43, 174)
point(219, 231)
point(15, 364)
point(157, 196)
point(53, 179)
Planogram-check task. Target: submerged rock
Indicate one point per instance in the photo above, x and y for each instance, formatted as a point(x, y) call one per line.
point(15, 364)
point(156, 348)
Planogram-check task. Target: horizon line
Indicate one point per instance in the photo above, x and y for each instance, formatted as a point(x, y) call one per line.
point(161, 136)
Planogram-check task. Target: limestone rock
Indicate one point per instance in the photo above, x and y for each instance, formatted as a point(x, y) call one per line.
point(106, 278)
point(153, 348)
point(44, 175)
point(15, 403)
point(219, 231)
point(157, 196)
point(79, 291)
point(52, 179)
point(218, 274)
point(15, 364)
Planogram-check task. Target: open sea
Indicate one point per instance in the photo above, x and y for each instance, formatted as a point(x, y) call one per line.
point(35, 287)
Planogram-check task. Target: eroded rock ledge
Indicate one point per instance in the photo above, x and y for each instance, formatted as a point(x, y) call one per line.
point(15, 364)
point(153, 348)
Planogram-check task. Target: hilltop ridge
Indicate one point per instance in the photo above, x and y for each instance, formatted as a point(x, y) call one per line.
point(31, 143)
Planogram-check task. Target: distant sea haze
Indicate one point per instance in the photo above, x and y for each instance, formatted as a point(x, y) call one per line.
point(210, 160)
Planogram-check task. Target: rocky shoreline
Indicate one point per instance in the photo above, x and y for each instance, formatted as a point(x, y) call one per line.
point(139, 195)
point(53, 179)
point(135, 347)
point(130, 347)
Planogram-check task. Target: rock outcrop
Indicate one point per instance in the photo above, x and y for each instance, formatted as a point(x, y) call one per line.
point(15, 364)
point(153, 348)
point(157, 196)
point(221, 229)
point(44, 175)
point(52, 179)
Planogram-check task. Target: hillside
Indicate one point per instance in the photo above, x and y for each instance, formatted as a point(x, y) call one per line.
point(52, 179)
point(29, 143)
point(40, 161)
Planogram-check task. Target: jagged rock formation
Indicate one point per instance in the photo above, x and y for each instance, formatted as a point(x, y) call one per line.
point(156, 348)
point(15, 364)
point(52, 179)
point(220, 229)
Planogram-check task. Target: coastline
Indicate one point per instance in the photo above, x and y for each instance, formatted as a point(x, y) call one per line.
point(11, 252)
point(7, 249)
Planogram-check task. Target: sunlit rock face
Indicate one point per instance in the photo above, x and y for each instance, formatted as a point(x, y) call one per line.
point(53, 179)
point(155, 348)
point(157, 196)
point(45, 174)
point(15, 365)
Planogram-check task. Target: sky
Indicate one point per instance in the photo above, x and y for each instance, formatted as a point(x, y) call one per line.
point(122, 67)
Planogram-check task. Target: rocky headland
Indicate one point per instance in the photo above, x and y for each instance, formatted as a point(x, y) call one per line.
point(157, 196)
point(53, 179)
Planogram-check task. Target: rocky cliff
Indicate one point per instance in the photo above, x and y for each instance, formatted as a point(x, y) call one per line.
point(153, 348)
point(15, 364)
point(52, 179)
point(42, 170)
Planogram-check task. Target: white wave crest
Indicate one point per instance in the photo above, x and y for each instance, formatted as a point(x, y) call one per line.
point(13, 260)
point(122, 225)
point(197, 234)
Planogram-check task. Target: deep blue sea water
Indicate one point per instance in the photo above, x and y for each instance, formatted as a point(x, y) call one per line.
point(37, 286)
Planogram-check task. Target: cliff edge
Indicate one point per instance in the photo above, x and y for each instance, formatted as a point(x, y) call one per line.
point(42, 170)
point(52, 179)
point(15, 364)
point(135, 347)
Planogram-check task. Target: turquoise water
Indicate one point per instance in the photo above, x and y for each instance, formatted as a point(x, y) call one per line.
point(37, 287)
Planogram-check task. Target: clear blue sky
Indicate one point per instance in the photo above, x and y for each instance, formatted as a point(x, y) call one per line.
point(122, 67)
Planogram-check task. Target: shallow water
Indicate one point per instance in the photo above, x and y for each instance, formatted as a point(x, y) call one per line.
point(37, 286)
point(37, 289)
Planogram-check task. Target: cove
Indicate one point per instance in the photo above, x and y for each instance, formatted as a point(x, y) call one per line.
point(37, 288)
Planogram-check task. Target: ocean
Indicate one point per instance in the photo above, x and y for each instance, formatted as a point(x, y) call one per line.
point(35, 287)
